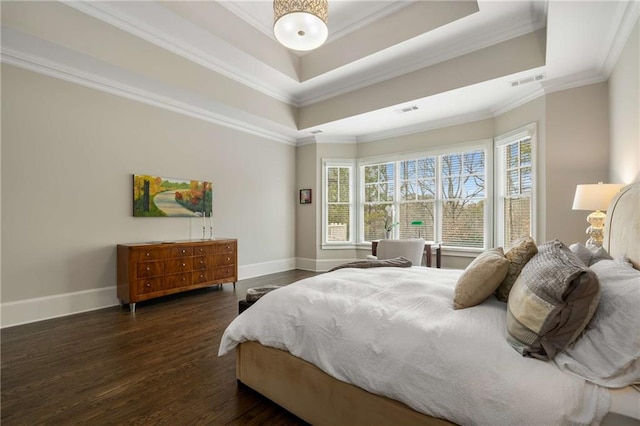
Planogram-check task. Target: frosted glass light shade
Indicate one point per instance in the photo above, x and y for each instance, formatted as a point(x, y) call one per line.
point(595, 196)
point(300, 24)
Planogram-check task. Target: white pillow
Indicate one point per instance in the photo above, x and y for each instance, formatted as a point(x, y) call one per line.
point(608, 352)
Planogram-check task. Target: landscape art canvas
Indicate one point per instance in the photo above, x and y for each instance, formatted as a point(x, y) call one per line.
point(155, 196)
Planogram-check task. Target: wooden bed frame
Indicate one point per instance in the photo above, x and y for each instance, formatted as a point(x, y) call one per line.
point(314, 396)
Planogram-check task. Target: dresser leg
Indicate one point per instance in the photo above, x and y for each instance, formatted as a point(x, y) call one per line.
point(132, 308)
point(234, 285)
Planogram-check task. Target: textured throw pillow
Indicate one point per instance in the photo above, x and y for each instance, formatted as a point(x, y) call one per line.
point(481, 278)
point(518, 254)
point(608, 352)
point(551, 302)
point(589, 255)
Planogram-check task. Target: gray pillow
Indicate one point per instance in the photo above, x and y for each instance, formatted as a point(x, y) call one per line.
point(608, 352)
point(590, 254)
point(518, 254)
point(551, 302)
point(480, 279)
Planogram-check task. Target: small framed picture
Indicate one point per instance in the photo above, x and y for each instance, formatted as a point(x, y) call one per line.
point(305, 196)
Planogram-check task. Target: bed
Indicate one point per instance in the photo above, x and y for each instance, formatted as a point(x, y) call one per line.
point(374, 359)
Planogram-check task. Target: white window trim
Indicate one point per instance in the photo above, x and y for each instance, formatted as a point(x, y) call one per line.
point(530, 130)
point(485, 144)
point(338, 162)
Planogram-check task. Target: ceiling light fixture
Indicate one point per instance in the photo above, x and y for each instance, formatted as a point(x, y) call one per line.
point(300, 24)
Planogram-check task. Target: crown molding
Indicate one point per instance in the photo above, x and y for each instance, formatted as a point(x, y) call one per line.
point(427, 126)
point(158, 35)
point(514, 103)
point(422, 59)
point(45, 58)
point(630, 14)
point(572, 81)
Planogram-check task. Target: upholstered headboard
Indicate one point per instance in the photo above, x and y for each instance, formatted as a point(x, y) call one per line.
point(622, 230)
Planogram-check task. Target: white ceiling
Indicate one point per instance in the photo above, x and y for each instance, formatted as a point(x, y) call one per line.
point(371, 44)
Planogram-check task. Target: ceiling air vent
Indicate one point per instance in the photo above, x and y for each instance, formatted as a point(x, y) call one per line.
point(406, 109)
point(315, 132)
point(529, 79)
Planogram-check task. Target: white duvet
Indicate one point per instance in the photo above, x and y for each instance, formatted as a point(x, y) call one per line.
point(394, 332)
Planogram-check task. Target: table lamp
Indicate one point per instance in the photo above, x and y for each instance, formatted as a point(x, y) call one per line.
point(595, 197)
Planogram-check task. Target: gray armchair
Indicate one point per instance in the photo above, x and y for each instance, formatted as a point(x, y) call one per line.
point(412, 249)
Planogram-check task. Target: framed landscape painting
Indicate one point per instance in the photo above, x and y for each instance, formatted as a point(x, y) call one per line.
point(155, 196)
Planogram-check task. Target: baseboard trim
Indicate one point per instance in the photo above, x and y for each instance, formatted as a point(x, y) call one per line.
point(319, 265)
point(265, 268)
point(59, 305)
point(48, 307)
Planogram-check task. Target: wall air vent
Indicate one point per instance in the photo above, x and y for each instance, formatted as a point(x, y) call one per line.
point(529, 79)
point(406, 109)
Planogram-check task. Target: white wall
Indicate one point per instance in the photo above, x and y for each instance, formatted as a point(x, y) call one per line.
point(624, 113)
point(68, 154)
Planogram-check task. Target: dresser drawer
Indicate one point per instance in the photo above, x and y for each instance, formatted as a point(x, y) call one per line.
point(150, 285)
point(174, 266)
point(147, 254)
point(177, 280)
point(202, 276)
point(203, 250)
point(202, 262)
point(229, 247)
point(225, 272)
point(224, 259)
point(180, 251)
point(149, 269)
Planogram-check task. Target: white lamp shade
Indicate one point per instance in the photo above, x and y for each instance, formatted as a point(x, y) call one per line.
point(595, 196)
point(300, 31)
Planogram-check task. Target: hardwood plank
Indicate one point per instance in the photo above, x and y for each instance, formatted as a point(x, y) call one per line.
point(157, 366)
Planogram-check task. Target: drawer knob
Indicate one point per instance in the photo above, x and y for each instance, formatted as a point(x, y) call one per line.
point(184, 251)
point(228, 259)
point(201, 262)
point(200, 250)
point(201, 276)
point(148, 254)
point(184, 264)
point(148, 285)
point(184, 279)
point(148, 269)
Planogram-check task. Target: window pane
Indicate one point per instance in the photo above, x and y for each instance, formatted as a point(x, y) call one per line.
point(332, 184)
point(473, 186)
point(413, 212)
point(511, 155)
point(525, 153)
point(525, 179)
point(371, 174)
point(374, 221)
point(338, 226)
point(426, 189)
point(344, 185)
point(463, 223)
point(513, 184)
point(427, 168)
point(370, 192)
point(451, 187)
point(517, 218)
point(451, 165)
point(407, 191)
point(408, 169)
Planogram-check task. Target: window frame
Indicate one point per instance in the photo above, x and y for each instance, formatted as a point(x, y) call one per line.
point(517, 135)
point(351, 165)
point(459, 148)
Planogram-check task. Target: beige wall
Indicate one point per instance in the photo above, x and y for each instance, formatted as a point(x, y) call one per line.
point(577, 151)
point(624, 113)
point(68, 154)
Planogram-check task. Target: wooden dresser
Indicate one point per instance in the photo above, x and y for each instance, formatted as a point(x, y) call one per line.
point(149, 270)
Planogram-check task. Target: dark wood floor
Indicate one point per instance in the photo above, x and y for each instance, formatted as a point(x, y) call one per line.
point(159, 366)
